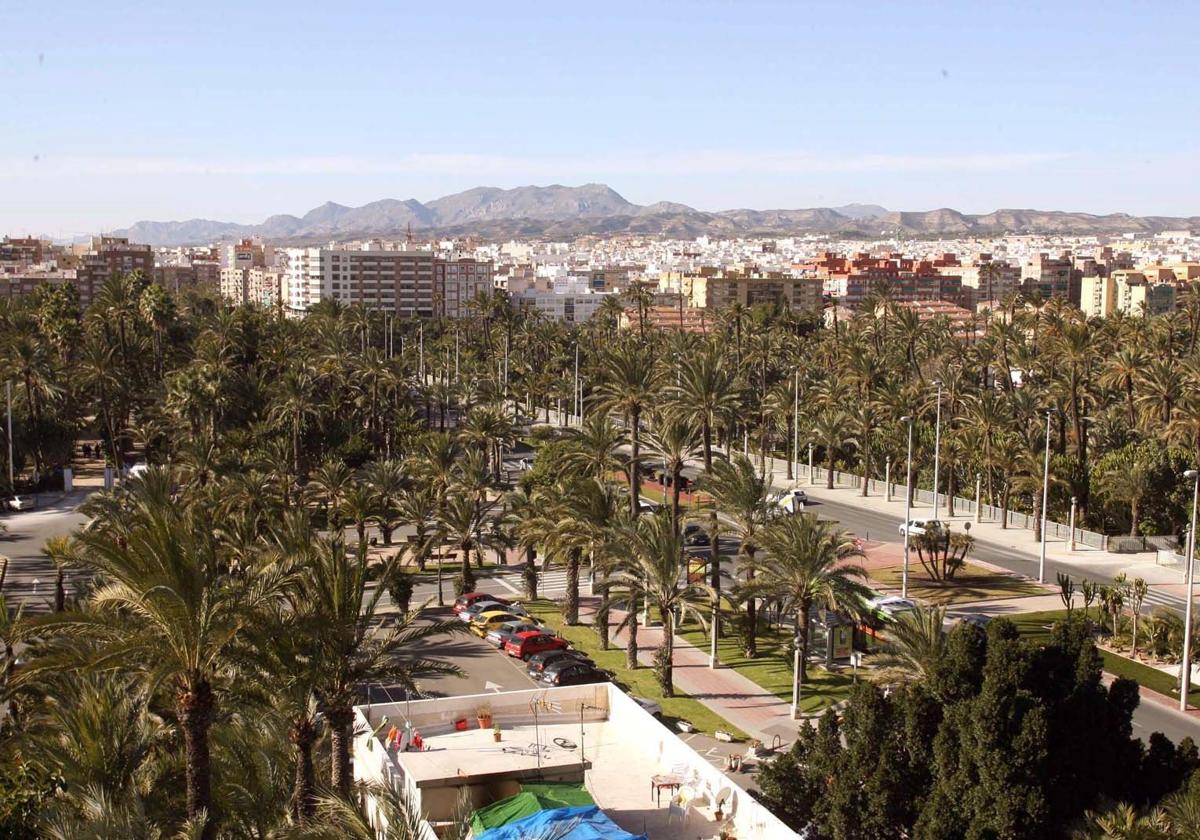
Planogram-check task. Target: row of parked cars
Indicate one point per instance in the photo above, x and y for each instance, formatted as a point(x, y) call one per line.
point(511, 629)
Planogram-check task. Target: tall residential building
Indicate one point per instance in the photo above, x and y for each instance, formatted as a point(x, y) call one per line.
point(456, 282)
point(108, 256)
point(719, 289)
point(1129, 292)
point(1053, 277)
point(405, 282)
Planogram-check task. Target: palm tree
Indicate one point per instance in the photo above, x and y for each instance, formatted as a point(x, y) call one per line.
point(165, 610)
point(833, 428)
point(463, 521)
point(338, 609)
point(672, 442)
point(807, 564)
point(647, 562)
point(294, 407)
point(629, 377)
point(705, 393)
point(741, 495)
point(329, 484)
point(916, 642)
point(596, 444)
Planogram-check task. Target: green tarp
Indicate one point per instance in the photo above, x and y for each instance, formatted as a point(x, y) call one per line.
point(534, 797)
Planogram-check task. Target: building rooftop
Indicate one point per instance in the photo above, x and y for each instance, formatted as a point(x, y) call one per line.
point(644, 778)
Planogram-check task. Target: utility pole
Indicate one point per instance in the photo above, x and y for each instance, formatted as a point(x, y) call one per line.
point(907, 505)
point(1045, 499)
point(795, 422)
point(1185, 674)
point(937, 446)
point(12, 481)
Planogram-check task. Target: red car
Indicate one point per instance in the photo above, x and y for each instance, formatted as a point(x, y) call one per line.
point(525, 645)
point(468, 598)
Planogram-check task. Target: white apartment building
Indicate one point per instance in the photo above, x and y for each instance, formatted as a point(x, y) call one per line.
point(569, 300)
point(407, 283)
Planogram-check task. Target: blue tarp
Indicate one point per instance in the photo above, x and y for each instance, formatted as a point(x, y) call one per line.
point(585, 822)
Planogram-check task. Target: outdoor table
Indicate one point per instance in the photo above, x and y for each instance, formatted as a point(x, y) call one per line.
point(664, 780)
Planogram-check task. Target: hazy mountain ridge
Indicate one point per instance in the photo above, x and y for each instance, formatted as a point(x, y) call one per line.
point(558, 211)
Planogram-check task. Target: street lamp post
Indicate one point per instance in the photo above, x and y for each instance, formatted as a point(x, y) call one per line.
point(575, 402)
point(1045, 499)
point(795, 422)
point(978, 498)
point(1185, 674)
point(811, 480)
point(1074, 501)
point(937, 446)
point(887, 478)
point(907, 504)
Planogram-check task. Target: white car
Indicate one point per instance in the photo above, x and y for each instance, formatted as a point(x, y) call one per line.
point(20, 503)
point(790, 501)
point(917, 527)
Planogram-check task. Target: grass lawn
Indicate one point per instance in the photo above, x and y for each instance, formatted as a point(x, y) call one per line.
point(772, 668)
point(1036, 625)
point(971, 583)
point(640, 682)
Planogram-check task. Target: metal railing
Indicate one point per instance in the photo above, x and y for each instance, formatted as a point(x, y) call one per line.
point(962, 505)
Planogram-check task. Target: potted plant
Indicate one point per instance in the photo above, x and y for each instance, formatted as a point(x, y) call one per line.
point(483, 714)
point(496, 731)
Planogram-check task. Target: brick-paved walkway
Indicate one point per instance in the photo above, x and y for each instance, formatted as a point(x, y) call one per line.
point(737, 699)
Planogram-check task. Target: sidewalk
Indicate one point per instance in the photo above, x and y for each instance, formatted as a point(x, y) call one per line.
point(1089, 561)
point(739, 700)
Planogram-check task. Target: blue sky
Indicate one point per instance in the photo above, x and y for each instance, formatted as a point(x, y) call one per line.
point(120, 111)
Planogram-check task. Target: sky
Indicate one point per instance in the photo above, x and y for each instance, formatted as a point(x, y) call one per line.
point(119, 111)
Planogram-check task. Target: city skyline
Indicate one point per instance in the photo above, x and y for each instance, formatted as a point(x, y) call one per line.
point(200, 112)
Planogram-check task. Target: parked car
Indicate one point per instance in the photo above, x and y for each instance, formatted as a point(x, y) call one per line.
point(468, 598)
point(539, 662)
point(484, 605)
point(525, 645)
point(652, 708)
point(499, 635)
point(790, 501)
point(917, 527)
point(581, 674)
point(483, 624)
point(20, 503)
point(695, 535)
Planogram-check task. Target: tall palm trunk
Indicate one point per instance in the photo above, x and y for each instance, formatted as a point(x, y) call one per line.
point(635, 475)
point(194, 705)
point(60, 594)
point(468, 576)
point(303, 735)
point(706, 429)
point(601, 620)
point(531, 573)
point(571, 599)
point(829, 468)
point(339, 747)
point(631, 627)
point(667, 667)
point(805, 611)
point(751, 610)
point(676, 476)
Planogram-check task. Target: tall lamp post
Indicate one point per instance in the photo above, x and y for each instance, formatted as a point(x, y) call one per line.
point(907, 504)
point(1185, 675)
point(1045, 499)
point(937, 445)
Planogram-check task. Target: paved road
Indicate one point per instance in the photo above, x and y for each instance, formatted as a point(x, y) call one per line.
point(30, 578)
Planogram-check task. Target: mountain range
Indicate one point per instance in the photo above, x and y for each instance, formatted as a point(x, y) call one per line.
point(558, 212)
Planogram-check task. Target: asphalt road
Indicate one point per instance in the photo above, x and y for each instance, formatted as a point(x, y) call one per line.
point(30, 577)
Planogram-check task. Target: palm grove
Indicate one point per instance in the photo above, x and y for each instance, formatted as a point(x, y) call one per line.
point(225, 612)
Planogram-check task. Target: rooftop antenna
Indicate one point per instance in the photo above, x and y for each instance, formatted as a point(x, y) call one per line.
point(536, 704)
